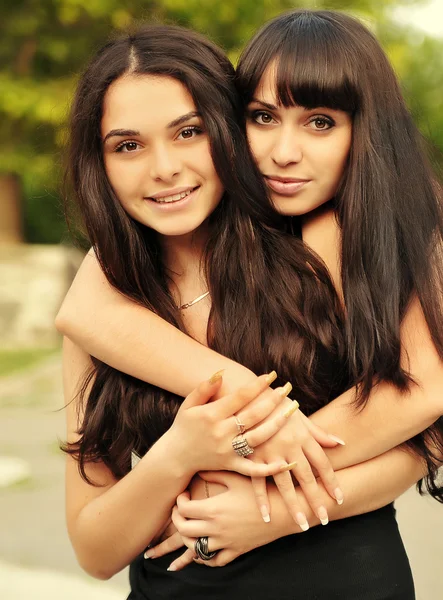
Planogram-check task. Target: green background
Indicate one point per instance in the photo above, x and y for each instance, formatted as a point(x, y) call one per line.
point(45, 43)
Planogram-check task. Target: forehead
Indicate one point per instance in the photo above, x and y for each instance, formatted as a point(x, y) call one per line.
point(133, 101)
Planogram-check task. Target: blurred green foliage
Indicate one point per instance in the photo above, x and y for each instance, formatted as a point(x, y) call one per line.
point(45, 43)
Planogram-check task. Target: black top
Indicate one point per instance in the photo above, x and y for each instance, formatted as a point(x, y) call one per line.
point(359, 558)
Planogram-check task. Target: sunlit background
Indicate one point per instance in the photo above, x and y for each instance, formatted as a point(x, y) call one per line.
point(44, 44)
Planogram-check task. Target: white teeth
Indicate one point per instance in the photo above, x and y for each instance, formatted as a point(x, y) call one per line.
point(173, 198)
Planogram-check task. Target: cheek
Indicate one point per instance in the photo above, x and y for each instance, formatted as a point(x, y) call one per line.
point(256, 142)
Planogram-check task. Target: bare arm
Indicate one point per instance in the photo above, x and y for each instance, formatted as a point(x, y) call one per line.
point(112, 522)
point(232, 525)
point(138, 342)
point(105, 535)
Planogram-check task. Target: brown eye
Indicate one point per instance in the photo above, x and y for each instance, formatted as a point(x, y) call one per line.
point(263, 118)
point(190, 132)
point(321, 123)
point(127, 147)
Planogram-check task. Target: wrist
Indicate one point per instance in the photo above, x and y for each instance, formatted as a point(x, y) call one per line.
point(172, 453)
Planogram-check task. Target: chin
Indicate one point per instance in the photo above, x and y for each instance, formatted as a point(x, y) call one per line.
point(295, 207)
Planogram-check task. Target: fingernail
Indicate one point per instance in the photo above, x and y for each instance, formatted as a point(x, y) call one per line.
point(338, 495)
point(271, 377)
point(149, 554)
point(302, 521)
point(334, 438)
point(285, 390)
point(295, 405)
point(288, 467)
point(265, 514)
point(172, 567)
point(323, 515)
point(216, 377)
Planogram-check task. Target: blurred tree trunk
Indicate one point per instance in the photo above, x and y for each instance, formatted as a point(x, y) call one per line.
point(11, 217)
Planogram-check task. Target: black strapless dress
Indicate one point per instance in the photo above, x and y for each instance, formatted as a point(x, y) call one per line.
point(360, 558)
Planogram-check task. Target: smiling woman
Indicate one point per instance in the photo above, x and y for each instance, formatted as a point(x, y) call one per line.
point(163, 171)
point(301, 151)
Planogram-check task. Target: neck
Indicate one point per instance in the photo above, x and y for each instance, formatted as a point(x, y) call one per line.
point(182, 254)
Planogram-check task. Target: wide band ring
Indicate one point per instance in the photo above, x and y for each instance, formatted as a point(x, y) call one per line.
point(241, 446)
point(201, 548)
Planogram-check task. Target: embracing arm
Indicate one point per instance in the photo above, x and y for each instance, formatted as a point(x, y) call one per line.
point(105, 535)
point(136, 341)
point(111, 522)
point(233, 526)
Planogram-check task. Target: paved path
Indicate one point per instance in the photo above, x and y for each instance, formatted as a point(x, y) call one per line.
point(36, 558)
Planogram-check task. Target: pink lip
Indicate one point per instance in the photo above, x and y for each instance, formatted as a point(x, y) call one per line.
point(171, 192)
point(286, 186)
point(177, 204)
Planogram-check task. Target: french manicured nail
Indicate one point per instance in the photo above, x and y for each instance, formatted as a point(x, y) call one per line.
point(216, 377)
point(291, 410)
point(172, 567)
point(302, 521)
point(338, 495)
point(149, 553)
point(323, 515)
point(265, 514)
point(334, 438)
point(271, 377)
point(288, 467)
point(285, 390)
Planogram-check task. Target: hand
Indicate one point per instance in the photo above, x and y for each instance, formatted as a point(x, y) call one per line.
point(299, 443)
point(228, 519)
point(202, 432)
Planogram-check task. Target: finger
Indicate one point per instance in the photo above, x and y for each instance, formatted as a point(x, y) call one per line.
point(233, 403)
point(172, 543)
point(321, 463)
point(327, 440)
point(302, 471)
point(203, 392)
point(271, 426)
point(286, 488)
point(262, 407)
point(182, 561)
point(223, 558)
point(195, 509)
point(252, 469)
point(261, 497)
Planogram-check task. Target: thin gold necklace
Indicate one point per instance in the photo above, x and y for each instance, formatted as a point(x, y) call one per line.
point(188, 304)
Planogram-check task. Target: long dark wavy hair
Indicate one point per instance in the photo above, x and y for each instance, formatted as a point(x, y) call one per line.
point(389, 205)
point(273, 305)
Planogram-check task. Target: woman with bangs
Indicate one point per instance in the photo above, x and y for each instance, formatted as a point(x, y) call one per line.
point(320, 160)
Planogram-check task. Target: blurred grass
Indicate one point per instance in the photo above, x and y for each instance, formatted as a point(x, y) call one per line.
point(14, 361)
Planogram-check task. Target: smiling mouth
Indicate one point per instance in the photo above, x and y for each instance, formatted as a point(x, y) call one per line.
point(173, 197)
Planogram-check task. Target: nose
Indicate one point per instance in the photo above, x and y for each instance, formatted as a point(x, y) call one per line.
point(165, 164)
point(286, 149)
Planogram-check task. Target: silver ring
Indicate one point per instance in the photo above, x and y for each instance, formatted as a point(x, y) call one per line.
point(241, 446)
point(201, 548)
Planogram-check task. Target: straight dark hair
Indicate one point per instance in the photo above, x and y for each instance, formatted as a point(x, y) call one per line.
point(272, 306)
point(389, 204)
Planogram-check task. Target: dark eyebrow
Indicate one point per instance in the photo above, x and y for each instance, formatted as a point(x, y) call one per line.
point(187, 117)
point(133, 133)
point(265, 104)
point(121, 133)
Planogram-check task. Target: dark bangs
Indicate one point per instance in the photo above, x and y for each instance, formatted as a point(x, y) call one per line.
point(313, 67)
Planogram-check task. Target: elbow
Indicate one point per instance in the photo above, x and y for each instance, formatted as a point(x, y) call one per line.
point(62, 322)
point(94, 567)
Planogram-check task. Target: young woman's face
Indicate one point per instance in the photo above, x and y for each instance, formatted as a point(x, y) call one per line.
point(157, 155)
point(301, 152)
